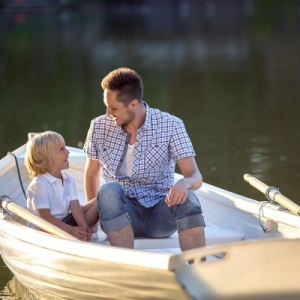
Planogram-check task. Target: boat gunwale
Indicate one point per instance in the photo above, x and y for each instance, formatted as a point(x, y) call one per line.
point(90, 250)
point(251, 206)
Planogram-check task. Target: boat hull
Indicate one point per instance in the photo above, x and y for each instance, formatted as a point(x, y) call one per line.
point(55, 268)
point(78, 270)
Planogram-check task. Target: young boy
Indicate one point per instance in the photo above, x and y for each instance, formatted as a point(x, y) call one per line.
point(52, 192)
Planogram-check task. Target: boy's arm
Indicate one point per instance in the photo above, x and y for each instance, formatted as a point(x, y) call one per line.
point(78, 232)
point(78, 213)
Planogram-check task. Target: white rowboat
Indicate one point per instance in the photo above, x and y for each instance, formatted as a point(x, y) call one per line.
point(247, 243)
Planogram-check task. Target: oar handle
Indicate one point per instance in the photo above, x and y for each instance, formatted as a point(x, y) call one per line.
point(273, 194)
point(256, 183)
point(8, 205)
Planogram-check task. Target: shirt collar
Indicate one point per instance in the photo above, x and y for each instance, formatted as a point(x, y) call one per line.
point(147, 123)
point(53, 179)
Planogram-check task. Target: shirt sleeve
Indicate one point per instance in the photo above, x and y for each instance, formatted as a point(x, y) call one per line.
point(38, 196)
point(90, 145)
point(180, 145)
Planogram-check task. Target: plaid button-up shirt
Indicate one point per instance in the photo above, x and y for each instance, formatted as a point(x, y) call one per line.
point(160, 142)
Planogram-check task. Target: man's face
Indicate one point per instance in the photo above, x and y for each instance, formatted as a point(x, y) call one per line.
point(121, 114)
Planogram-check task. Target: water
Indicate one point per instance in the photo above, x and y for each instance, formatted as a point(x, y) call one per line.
point(229, 69)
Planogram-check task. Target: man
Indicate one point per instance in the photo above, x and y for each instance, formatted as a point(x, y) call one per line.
point(137, 148)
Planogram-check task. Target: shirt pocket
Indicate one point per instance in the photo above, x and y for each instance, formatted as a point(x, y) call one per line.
point(109, 159)
point(104, 156)
point(157, 156)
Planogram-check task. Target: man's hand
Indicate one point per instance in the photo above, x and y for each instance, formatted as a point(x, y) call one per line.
point(178, 193)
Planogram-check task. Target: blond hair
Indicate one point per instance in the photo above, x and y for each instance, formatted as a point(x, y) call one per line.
point(38, 158)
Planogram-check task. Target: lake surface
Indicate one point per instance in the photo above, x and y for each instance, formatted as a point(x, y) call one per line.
point(229, 69)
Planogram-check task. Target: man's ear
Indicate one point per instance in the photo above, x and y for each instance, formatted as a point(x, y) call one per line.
point(134, 104)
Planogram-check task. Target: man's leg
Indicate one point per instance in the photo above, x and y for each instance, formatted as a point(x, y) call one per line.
point(122, 237)
point(190, 223)
point(160, 222)
point(114, 218)
point(192, 238)
point(186, 218)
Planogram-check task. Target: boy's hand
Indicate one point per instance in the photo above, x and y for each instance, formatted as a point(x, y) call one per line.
point(81, 233)
point(88, 231)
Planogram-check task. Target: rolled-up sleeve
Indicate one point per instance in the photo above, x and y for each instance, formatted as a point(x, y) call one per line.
point(90, 145)
point(181, 145)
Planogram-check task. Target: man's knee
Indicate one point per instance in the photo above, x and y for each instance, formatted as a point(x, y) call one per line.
point(189, 215)
point(112, 207)
point(110, 189)
point(110, 198)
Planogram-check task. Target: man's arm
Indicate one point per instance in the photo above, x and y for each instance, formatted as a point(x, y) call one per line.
point(192, 180)
point(91, 178)
point(189, 169)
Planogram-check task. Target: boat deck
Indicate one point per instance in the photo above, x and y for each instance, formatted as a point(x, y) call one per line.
point(214, 235)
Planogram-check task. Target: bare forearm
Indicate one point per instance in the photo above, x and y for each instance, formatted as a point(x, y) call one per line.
point(80, 232)
point(192, 176)
point(194, 181)
point(91, 178)
point(78, 213)
point(63, 226)
point(91, 186)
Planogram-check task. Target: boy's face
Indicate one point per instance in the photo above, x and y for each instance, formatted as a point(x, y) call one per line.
point(60, 156)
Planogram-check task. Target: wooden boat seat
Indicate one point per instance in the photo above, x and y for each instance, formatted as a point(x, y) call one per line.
point(214, 235)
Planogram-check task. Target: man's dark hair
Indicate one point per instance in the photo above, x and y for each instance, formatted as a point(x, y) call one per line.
point(126, 82)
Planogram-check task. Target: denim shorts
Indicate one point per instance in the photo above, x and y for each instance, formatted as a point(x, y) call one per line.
point(117, 211)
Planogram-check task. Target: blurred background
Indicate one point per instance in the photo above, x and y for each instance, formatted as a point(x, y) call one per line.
point(229, 68)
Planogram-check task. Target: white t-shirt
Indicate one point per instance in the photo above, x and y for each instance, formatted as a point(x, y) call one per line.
point(47, 191)
point(126, 167)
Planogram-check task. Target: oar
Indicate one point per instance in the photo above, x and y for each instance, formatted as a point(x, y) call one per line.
point(273, 193)
point(8, 205)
